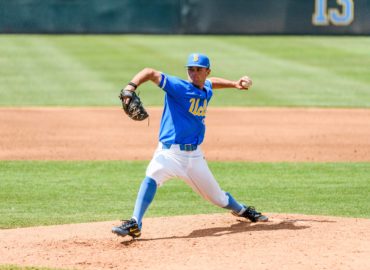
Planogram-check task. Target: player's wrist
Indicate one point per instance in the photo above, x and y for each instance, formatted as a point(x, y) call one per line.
point(236, 84)
point(134, 85)
point(131, 86)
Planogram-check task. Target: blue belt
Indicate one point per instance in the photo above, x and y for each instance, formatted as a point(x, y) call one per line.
point(183, 147)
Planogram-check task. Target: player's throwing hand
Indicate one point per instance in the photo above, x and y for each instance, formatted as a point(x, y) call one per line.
point(244, 83)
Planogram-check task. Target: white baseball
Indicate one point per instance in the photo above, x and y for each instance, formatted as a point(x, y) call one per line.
point(245, 84)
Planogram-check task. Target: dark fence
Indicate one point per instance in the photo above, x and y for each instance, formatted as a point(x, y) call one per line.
point(186, 16)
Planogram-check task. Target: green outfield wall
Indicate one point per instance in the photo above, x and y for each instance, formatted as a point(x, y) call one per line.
point(186, 16)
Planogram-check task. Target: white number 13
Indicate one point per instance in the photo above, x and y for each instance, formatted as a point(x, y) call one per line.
point(325, 16)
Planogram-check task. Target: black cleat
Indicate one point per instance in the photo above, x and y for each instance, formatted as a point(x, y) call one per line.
point(251, 214)
point(128, 227)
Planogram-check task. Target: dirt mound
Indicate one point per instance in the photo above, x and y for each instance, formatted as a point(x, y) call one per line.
point(218, 241)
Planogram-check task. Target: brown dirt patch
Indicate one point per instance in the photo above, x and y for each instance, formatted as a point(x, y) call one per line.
point(196, 242)
point(191, 242)
point(257, 134)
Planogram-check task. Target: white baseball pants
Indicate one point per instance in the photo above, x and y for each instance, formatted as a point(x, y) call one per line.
point(191, 167)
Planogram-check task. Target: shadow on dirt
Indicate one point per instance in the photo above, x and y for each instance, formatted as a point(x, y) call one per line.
point(240, 227)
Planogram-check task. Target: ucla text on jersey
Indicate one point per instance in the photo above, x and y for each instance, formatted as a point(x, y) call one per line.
point(185, 108)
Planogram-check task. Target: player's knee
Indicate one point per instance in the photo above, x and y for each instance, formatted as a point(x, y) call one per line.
point(160, 177)
point(151, 180)
point(221, 200)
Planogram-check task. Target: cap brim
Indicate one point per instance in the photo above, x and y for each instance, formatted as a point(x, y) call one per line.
point(196, 65)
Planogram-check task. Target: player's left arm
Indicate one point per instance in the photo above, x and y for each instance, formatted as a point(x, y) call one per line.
point(147, 74)
point(244, 83)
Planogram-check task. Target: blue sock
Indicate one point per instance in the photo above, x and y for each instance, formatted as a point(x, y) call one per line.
point(233, 204)
point(145, 196)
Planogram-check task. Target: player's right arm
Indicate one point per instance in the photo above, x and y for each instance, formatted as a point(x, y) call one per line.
point(244, 83)
point(147, 74)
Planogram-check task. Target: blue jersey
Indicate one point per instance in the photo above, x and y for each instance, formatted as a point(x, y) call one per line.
point(184, 111)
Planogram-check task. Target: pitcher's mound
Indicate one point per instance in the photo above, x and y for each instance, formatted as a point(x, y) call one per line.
point(219, 241)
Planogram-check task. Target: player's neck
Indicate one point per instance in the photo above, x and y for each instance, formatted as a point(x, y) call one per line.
point(198, 86)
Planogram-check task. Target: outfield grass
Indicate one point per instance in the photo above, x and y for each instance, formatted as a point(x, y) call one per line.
point(80, 70)
point(44, 193)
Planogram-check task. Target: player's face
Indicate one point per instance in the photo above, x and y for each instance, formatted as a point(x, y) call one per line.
point(198, 75)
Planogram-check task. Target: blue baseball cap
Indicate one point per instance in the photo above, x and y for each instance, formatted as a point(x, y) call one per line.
point(198, 60)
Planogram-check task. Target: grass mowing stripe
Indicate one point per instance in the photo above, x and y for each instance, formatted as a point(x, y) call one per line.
point(90, 70)
point(43, 193)
point(293, 76)
point(81, 76)
point(47, 68)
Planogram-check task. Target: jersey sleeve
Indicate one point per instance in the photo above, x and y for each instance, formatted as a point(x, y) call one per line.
point(208, 83)
point(163, 82)
point(172, 85)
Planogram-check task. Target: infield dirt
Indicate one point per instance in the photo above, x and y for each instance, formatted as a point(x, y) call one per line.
point(257, 134)
point(192, 242)
point(218, 241)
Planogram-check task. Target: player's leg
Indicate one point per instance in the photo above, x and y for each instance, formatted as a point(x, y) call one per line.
point(160, 169)
point(144, 198)
point(201, 179)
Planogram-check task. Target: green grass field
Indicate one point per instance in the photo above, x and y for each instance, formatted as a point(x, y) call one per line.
point(308, 71)
point(90, 70)
point(44, 193)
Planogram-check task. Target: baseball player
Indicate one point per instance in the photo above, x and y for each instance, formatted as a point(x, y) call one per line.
point(181, 133)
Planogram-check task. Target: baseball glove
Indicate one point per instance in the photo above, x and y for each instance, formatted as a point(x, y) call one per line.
point(132, 105)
